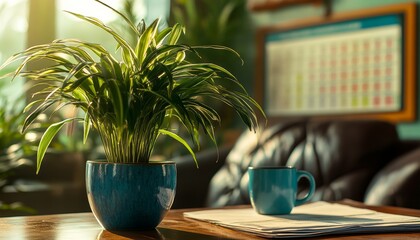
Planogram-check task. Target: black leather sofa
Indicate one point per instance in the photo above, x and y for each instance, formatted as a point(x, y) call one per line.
point(363, 160)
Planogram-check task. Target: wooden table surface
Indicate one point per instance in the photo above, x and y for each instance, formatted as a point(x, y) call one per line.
point(83, 226)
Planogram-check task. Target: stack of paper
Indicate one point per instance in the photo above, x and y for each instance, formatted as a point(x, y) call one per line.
point(314, 219)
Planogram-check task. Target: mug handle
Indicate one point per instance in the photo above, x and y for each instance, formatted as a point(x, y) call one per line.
point(300, 174)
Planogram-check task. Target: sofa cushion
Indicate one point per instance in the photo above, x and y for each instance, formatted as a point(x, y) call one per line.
point(343, 156)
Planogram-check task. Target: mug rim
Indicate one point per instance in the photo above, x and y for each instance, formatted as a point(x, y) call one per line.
point(270, 167)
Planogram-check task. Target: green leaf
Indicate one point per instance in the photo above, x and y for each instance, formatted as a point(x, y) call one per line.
point(176, 32)
point(146, 40)
point(86, 128)
point(182, 141)
point(117, 101)
point(130, 24)
point(46, 139)
point(33, 115)
point(160, 37)
point(129, 55)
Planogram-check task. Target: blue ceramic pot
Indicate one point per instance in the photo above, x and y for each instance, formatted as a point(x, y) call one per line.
point(130, 196)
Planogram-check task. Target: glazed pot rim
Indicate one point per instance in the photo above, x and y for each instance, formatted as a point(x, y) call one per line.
point(139, 163)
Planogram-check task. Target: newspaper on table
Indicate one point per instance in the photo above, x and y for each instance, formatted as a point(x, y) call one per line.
point(309, 220)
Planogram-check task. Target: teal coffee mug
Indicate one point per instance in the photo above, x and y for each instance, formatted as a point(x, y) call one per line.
point(273, 190)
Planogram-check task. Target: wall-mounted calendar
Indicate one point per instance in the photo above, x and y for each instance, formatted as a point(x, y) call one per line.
point(356, 64)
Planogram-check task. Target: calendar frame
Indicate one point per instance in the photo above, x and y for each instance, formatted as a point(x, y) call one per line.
point(408, 105)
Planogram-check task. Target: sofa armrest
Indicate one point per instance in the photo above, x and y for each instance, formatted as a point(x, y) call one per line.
point(397, 184)
point(193, 182)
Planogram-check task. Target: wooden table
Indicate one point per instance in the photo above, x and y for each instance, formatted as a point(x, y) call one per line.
point(83, 226)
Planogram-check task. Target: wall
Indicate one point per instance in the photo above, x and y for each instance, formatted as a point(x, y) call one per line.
point(406, 130)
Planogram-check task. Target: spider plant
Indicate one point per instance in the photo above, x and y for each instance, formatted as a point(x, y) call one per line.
point(131, 101)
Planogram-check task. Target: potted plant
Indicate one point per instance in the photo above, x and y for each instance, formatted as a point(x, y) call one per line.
point(130, 102)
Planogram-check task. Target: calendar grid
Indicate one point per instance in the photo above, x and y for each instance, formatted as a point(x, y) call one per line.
point(354, 67)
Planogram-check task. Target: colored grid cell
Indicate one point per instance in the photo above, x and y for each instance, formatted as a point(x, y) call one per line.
point(354, 101)
point(389, 100)
point(365, 101)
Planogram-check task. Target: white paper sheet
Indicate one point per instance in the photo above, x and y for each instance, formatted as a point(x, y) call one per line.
point(314, 219)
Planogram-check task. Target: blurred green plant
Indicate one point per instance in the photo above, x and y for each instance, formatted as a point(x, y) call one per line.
point(14, 148)
point(211, 21)
point(219, 22)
